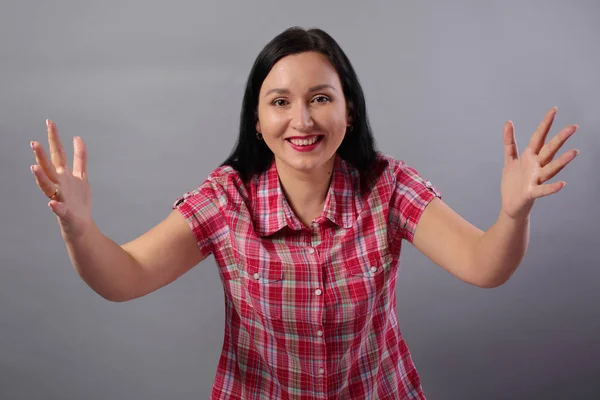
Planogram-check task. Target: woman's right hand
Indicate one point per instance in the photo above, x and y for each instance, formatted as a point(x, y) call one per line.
point(72, 200)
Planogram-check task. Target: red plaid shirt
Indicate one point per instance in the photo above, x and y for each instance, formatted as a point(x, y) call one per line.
point(310, 312)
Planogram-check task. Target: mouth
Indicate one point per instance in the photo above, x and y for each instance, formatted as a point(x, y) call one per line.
point(305, 143)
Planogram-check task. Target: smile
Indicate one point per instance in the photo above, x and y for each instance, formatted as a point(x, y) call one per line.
point(305, 144)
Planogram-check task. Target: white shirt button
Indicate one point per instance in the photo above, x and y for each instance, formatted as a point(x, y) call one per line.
point(311, 250)
point(321, 371)
point(256, 276)
point(318, 292)
point(315, 225)
point(373, 270)
point(319, 333)
point(428, 184)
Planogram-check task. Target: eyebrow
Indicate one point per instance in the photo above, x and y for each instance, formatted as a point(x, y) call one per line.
point(312, 89)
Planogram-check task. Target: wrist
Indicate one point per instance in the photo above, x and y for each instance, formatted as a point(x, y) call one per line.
point(518, 219)
point(81, 235)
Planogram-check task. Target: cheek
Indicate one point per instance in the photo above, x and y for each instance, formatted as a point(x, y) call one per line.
point(338, 124)
point(335, 117)
point(271, 121)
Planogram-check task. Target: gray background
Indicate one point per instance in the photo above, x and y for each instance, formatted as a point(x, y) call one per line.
point(155, 90)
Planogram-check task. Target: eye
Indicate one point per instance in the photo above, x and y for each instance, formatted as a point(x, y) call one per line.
point(321, 99)
point(279, 102)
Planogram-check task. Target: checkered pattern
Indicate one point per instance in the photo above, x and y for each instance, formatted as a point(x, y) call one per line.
point(310, 312)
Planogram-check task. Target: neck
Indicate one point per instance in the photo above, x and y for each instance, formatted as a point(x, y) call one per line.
point(306, 191)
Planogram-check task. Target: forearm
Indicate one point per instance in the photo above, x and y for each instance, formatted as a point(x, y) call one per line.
point(500, 250)
point(106, 267)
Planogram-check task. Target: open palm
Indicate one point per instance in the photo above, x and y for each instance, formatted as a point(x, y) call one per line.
point(524, 177)
point(68, 190)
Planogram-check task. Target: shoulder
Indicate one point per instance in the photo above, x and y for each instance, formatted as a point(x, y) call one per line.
point(391, 169)
point(225, 177)
point(402, 176)
point(390, 163)
point(219, 187)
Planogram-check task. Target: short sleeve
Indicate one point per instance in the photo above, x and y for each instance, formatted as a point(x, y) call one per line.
point(411, 195)
point(201, 210)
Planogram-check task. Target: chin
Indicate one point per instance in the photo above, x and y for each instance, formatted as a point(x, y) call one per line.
point(306, 163)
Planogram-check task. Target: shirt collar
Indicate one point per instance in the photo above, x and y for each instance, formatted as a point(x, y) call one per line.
point(272, 212)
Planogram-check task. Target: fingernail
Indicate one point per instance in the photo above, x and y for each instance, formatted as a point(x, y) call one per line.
point(32, 170)
point(47, 123)
point(31, 144)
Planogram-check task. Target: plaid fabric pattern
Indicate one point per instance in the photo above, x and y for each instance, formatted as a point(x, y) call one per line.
point(310, 311)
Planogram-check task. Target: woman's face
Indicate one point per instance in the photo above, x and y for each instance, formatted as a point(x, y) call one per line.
point(302, 111)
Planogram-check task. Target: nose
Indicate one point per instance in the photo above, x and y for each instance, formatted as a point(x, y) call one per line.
point(301, 118)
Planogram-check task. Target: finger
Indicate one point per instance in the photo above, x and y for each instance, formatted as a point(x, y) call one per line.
point(548, 189)
point(45, 184)
point(511, 151)
point(44, 162)
point(553, 168)
point(57, 151)
point(79, 158)
point(551, 148)
point(539, 136)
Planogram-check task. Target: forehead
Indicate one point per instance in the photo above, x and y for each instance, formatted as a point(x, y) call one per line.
point(300, 71)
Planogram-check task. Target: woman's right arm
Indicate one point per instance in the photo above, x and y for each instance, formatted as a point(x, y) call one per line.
point(153, 260)
point(117, 273)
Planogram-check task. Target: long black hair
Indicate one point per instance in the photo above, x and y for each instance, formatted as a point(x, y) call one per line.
point(251, 156)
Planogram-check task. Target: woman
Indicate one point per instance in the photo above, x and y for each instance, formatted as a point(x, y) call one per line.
point(305, 221)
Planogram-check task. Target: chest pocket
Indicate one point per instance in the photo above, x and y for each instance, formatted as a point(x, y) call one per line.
point(367, 280)
point(263, 281)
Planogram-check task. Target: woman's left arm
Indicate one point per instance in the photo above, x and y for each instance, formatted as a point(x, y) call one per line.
point(488, 259)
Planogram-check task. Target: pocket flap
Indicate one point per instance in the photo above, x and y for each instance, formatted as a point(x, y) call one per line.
point(262, 271)
point(368, 267)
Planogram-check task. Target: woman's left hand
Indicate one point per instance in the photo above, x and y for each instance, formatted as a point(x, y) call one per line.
point(523, 177)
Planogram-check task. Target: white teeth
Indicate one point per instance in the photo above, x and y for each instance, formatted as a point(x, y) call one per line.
point(304, 142)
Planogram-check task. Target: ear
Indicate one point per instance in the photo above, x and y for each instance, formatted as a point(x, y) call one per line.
point(257, 126)
point(350, 110)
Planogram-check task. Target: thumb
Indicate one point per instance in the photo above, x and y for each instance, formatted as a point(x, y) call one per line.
point(511, 152)
point(60, 209)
